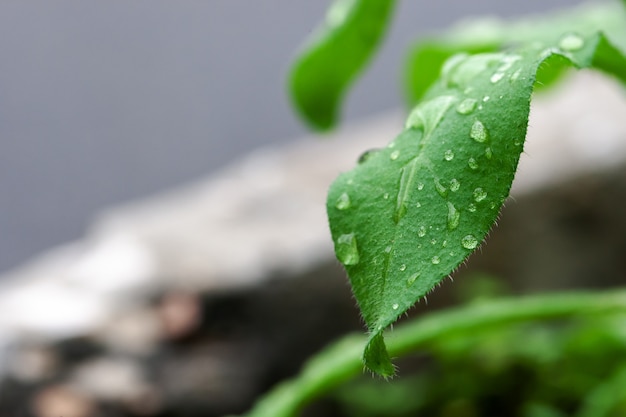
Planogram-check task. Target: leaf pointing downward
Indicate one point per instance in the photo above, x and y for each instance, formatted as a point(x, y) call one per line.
point(419, 207)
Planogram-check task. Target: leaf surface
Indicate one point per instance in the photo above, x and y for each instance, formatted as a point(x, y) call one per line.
point(409, 214)
point(334, 57)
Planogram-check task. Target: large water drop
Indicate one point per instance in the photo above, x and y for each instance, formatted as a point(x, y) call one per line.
point(346, 249)
point(454, 185)
point(479, 194)
point(467, 106)
point(343, 202)
point(454, 217)
point(478, 132)
point(469, 242)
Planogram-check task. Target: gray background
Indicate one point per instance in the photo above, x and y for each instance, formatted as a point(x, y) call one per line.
point(107, 101)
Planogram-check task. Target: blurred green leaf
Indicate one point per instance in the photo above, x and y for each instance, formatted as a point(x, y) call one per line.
point(335, 56)
point(491, 35)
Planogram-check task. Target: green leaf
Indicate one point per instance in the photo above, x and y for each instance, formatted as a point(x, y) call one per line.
point(491, 35)
point(335, 55)
point(409, 214)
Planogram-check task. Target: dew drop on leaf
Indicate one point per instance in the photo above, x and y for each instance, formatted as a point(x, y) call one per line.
point(448, 155)
point(343, 202)
point(394, 155)
point(441, 189)
point(411, 280)
point(479, 194)
point(469, 242)
point(454, 216)
point(386, 196)
point(478, 132)
point(472, 163)
point(454, 185)
point(421, 232)
point(435, 260)
point(346, 249)
point(420, 186)
point(471, 208)
point(571, 42)
point(467, 106)
point(488, 153)
point(403, 267)
point(395, 306)
point(496, 77)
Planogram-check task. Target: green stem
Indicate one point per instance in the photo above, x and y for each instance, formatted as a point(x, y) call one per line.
point(342, 360)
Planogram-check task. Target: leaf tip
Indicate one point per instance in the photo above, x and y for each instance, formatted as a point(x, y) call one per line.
point(376, 357)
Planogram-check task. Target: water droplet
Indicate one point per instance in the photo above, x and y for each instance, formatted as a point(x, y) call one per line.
point(350, 181)
point(386, 196)
point(388, 249)
point(479, 194)
point(448, 155)
point(367, 155)
point(496, 77)
point(395, 306)
point(346, 249)
point(421, 232)
point(492, 205)
point(441, 189)
point(471, 207)
point(486, 99)
point(444, 243)
point(478, 132)
point(411, 280)
point(435, 260)
point(420, 186)
point(418, 204)
point(467, 106)
point(403, 267)
point(454, 185)
point(394, 155)
point(343, 202)
point(469, 242)
point(454, 216)
point(427, 115)
point(472, 163)
point(515, 75)
point(488, 153)
point(433, 241)
point(571, 42)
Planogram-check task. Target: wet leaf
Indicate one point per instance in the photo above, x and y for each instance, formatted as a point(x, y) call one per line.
point(421, 206)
